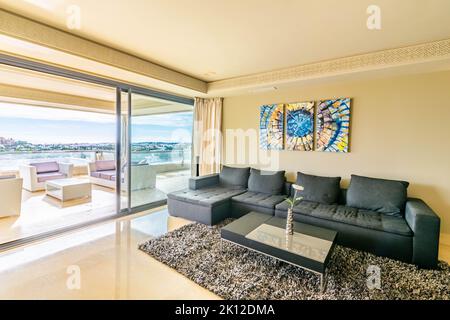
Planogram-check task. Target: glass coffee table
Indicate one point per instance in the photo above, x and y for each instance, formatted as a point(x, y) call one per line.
point(310, 247)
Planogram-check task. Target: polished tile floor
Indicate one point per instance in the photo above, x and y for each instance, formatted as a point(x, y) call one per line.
point(102, 262)
point(99, 262)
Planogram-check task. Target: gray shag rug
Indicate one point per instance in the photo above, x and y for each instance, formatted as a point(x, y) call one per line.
point(234, 272)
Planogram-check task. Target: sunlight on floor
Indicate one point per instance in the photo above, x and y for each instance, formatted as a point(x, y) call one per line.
point(111, 266)
point(41, 213)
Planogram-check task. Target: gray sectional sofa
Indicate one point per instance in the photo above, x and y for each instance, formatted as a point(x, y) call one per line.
point(373, 215)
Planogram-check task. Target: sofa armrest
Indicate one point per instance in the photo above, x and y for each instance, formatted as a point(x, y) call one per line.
point(66, 168)
point(425, 224)
point(91, 168)
point(29, 176)
point(11, 197)
point(203, 181)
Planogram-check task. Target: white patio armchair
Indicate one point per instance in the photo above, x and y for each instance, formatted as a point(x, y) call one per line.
point(10, 196)
point(35, 175)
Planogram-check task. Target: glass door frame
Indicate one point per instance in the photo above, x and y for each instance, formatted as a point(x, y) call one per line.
point(120, 87)
point(129, 113)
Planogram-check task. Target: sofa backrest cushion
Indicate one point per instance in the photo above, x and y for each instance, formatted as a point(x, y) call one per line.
point(324, 190)
point(46, 167)
point(380, 195)
point(269, 182)
point(231, 177)
point(105, 165)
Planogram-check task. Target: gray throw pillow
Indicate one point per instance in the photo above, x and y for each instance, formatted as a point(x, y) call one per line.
point(269, 182)
point(380, 195)
point(324, 190)
point(234, 177)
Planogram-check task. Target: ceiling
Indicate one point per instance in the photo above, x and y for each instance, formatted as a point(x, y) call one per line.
point(45, 82)
point(216, 40)
point(94, 96)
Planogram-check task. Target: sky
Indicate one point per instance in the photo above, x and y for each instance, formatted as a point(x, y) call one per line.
point(50, 125)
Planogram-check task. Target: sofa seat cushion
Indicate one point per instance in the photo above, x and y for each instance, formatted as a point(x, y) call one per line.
point(113, 178)
point(208, 197)
point(95, 174)
point(259, 199)
point(303, 207)
point(107, 175)
point(353, 216)
point(42, 177)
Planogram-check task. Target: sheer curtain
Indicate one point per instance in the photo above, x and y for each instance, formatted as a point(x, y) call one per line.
point(208, 134)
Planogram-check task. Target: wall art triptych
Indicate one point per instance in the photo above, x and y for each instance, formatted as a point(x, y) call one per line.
point(332, 126)
point(271, 127)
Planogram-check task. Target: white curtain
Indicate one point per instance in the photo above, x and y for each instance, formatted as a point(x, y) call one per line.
point(208, 134)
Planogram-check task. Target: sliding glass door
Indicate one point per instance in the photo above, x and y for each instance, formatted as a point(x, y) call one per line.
point(126, 146)
point(156, 139)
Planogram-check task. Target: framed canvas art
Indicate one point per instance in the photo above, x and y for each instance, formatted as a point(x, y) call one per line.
point(300, 126)
point(271, 127)
point(333, 125)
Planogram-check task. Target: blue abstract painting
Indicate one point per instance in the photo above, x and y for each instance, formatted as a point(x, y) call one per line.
point(300, 126)
point(333, 125)
point(271, 127)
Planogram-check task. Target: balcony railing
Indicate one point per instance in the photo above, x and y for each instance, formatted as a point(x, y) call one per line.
point(11, 160)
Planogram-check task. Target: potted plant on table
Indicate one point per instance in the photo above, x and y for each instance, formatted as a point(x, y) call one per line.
point(293, 201)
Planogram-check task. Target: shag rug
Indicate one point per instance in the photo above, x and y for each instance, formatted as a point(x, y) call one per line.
point(234, 272)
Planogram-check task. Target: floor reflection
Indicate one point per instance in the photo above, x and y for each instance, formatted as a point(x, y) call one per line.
point(111, 266)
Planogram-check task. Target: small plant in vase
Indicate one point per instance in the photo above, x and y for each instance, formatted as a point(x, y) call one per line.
point(293, 201)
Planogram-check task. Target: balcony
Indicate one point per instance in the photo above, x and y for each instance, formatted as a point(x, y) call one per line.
point(42, 213)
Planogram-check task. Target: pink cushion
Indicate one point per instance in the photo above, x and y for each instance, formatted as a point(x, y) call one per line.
point(113, 178)
point(43, 167)
point(104, 165)
point(107, 174)
point(95, 174)
point(50, 176)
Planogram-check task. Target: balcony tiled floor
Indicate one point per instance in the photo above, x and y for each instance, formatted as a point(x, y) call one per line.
point(41, 213)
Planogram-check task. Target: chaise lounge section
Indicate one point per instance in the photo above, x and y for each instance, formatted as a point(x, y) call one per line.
point(207, 200)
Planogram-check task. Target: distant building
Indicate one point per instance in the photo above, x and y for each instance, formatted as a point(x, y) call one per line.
point(7, 141)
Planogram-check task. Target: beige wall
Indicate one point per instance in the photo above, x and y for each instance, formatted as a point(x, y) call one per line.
point(400, 129)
